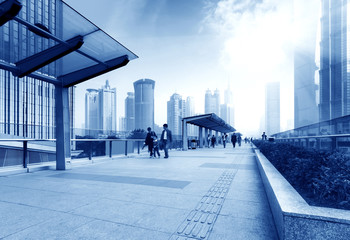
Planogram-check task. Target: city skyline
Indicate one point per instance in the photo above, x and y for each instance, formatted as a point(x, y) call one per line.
point(190, 46)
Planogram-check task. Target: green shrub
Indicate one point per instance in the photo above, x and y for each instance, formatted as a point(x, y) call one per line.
point(321, 178)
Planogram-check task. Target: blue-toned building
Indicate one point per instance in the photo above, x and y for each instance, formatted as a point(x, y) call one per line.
point(27, 104)
point(144, 103)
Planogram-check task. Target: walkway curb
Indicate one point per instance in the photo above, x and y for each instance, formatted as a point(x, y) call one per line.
point(294, 218)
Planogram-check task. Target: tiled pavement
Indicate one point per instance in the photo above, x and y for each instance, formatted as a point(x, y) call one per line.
point(196, 194)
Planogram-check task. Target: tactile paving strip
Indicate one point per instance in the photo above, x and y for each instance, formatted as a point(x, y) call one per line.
point(200, 221)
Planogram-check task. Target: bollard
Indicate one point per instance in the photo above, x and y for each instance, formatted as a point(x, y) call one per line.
point(110, 148)
point(25, 154)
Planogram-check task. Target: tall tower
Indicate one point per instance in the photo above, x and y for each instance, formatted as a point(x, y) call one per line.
point(335, 55)
point(144, 103)
point(272, 108)
point(130, 112)
point(92, 105)
point(305, 106)
point(100, 109)
point(212, 102)
point(175, 109)
point(108, 108)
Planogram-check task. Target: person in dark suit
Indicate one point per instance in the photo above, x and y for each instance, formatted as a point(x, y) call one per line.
point(149, 140)
point(166, 138)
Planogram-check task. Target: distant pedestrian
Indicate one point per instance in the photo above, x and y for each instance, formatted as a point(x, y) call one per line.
point(264, 136)
point(239, 140)
point(213, 141)
point(208, 140)
point(234, 140)
point(149, 140)
point(224, 138)
point(166, 139)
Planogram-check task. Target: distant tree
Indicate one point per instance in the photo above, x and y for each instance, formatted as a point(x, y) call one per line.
point(137, 134)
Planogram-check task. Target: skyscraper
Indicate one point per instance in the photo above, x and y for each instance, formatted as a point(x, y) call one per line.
point(144, 103)
point(272, 108)
point(176, 111)
point(190, 111)
point(305, 105)
point(28, 104)
point(212, 102)
point(334, 63)
point(130, 112)
point(92, 109)
point(226, 109)
point(108, 108)
point(100, 109)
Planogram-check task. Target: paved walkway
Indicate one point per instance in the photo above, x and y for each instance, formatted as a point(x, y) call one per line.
point(196, 194)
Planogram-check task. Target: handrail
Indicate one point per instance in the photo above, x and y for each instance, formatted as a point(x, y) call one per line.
point(110, 140)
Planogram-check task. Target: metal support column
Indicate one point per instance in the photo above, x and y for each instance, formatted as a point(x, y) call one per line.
point(184, 135)
point(206, 137)
point(25, 154)
point(110, 149)
point(62, 127)
point(200, 137)
point(126, 148)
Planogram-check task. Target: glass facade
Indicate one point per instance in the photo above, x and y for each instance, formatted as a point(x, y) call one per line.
point(144, 103)
point(29, 104)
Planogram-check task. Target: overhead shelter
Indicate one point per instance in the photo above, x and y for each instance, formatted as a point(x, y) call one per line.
point(76, 50)
point(208, 121)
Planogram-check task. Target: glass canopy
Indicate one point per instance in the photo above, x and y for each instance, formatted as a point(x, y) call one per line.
point(98, 52)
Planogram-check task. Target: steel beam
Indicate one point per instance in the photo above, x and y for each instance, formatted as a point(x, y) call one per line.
point(82, 75)
point(41, 59)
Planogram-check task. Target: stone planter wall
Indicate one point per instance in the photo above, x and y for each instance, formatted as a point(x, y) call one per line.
point(294, 218)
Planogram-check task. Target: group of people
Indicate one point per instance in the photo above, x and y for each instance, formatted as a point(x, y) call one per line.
point(235, 139)
point(154, 145)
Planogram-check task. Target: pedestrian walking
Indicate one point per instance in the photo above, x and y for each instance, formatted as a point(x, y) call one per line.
point(149, 140)
point(264, 136)
point(239, 140)
point(224, 138)
point(155, 147)
point(213, 141)
point(234, 140)
point(166, 139)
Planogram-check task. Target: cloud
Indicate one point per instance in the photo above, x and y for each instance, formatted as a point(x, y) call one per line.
point(257, 47)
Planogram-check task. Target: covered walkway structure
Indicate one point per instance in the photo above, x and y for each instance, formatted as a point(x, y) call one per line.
point(72, 50)
point(210, 122)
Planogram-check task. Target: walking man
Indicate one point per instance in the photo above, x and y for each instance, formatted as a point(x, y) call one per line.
point(234, 140)
point(166, 138)
point(149, 140)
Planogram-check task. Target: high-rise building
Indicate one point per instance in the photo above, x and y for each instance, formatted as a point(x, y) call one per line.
point(190, 111)
point(92, 109)
point(108, 108)
point(28, 104)
point(100, 109)
point(175, 110)
point(305, 104)
point(212, 102)
point(226, 109)
point(130, 112)
point(144, 103)
point(334, 60)
point(122, 124)
point(272, 108)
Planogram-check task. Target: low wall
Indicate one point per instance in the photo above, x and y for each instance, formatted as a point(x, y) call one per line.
point(294, 217)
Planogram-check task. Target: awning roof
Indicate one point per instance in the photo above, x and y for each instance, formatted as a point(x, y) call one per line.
point(99, 52)
point(210, 121)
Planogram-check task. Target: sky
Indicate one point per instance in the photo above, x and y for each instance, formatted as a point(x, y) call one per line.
point(189, 46)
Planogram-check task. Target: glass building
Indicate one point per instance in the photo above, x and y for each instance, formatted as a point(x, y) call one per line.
point(272, 108)
point(144, 103)
point(176, 108)
point(100, 110)
point(130, 112)
point(28, 104)
point(334, 60)
point(212, 102)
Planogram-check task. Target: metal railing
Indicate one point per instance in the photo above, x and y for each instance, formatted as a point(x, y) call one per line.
point(322, 142)
point(51, 148)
